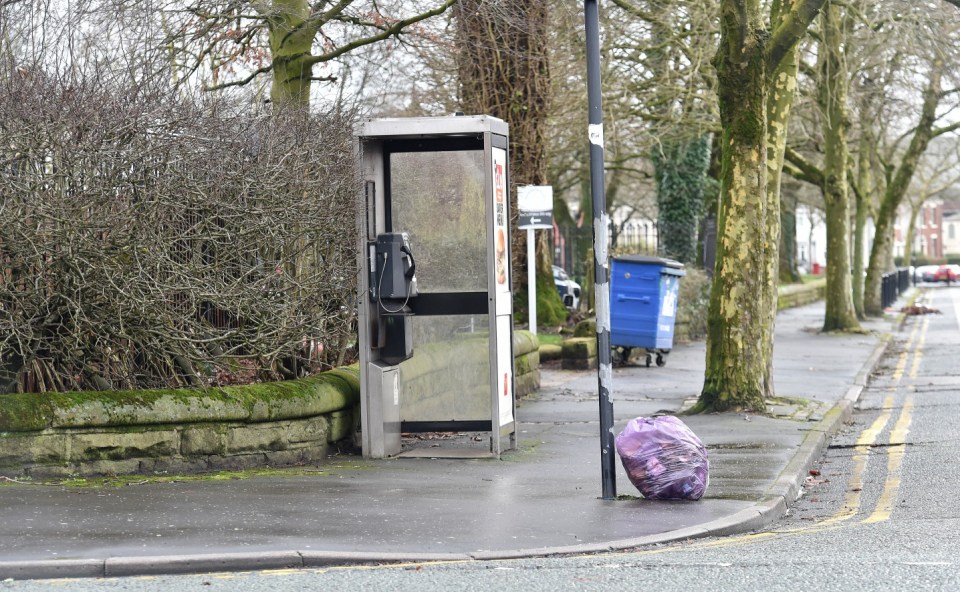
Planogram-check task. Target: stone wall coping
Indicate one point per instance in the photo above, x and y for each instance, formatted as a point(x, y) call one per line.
point(271, 401)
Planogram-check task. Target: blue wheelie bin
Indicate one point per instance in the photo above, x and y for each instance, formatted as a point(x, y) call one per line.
point(643, 306)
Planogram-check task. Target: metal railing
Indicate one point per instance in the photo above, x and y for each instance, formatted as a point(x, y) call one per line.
point(893, 284)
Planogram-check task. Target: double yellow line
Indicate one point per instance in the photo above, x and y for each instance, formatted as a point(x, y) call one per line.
point(866, 441)
point(896, 445)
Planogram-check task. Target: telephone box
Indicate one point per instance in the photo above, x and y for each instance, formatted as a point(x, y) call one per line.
point(435, 302)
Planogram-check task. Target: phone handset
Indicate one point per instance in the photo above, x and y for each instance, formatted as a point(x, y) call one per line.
point(412, 269)
point(395, 270)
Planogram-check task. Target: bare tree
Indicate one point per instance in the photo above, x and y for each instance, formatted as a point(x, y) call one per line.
point(930, 60)
point(832, 81)
point(937, 171)
point(886, 49)
point(670, 43)
point(239, 41)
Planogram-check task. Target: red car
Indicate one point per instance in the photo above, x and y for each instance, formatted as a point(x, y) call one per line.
point(947, 273)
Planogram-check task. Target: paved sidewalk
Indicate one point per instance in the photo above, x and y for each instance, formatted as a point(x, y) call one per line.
point(542, 499)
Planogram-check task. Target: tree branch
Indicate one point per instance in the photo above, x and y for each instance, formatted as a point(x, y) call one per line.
point(855, 187)
point(952, 91)
point(241, 82)
point(945, 130)
point(636, 11)
point(807, 69)
point(311, 26)
point(334, 10)
point(802, 168)
point(393, 30)
point(791, 30)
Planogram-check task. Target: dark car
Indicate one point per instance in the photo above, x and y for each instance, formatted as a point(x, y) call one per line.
point(926, 273)
point(569, 290)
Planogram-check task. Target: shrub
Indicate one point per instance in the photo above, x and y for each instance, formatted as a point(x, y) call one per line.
point(147, 240)
point(692, 306)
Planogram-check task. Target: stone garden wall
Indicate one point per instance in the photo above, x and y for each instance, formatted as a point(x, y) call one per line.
point(192, 430)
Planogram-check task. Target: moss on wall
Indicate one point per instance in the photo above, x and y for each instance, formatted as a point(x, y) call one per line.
point(315, 395)
point(190, 430)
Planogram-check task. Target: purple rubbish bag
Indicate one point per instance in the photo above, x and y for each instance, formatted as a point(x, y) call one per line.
point(663, 458)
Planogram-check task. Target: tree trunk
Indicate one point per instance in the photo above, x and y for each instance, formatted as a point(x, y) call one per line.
point(681, 173)
point(911, 234)
point(680, 161)
point(782, 89)
point(865, 185)
point(859, 235)
point(504, 72)
point(291, 40)
point(742, 302)
point(736, 364)
point(840, 314)
point(788, 241)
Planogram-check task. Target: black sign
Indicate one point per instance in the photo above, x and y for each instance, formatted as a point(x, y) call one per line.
point(535, 220)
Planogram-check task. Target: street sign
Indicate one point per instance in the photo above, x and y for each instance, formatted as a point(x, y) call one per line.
point(535, 221)
point(535, 203)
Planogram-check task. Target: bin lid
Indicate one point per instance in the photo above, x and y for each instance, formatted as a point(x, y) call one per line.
point(650, 260)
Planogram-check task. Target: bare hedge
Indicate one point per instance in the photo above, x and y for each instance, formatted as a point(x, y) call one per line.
point(148, 240)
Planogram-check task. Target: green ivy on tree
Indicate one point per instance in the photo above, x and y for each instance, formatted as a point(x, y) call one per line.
point(681, 174)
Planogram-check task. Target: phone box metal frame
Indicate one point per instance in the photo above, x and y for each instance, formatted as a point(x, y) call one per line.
point(425, 177)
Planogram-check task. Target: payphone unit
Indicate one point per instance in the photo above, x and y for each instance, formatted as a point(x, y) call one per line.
point(393, 282)
point(394, 271)
point(435, 310)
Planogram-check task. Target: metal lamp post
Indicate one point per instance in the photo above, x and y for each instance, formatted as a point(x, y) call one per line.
point(601, 270)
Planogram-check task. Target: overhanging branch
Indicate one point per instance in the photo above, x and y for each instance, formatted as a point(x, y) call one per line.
point(791, 30)
point(240, 82)
point(393, 30)
point(945, 130)
point(800, 168)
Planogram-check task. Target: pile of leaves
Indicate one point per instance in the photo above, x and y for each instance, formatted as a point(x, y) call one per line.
point(914, 310)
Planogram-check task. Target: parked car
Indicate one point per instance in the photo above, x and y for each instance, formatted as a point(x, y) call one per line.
point(925, 273)
point(569, 290)
point(946, 273)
